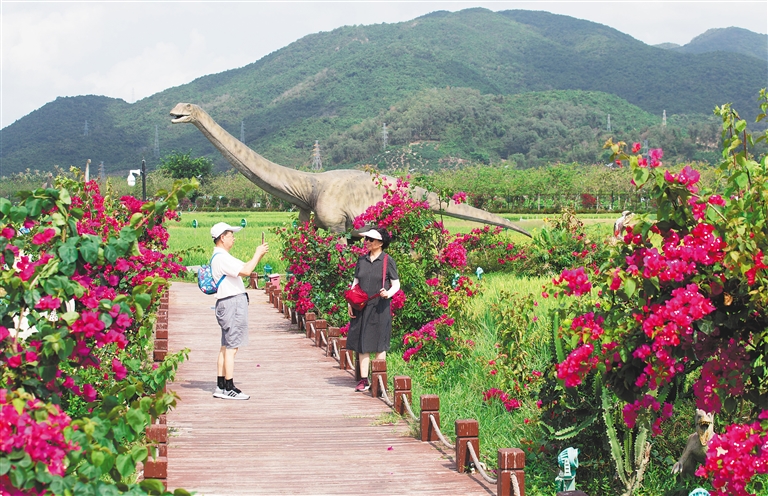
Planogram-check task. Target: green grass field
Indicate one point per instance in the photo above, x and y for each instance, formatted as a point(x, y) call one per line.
point(195, 245)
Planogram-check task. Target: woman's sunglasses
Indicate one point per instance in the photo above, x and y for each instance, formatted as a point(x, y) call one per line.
point(370, 239)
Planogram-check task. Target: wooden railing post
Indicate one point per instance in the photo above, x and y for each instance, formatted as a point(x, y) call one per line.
point(294, 316)
point(156, 465)
point(320, 327)
point(430, 405)
point(268, 288)
point(378, 369)
point(309, 317)
point(511, 462)
point(402, 389)
point(467, 431)
point(333, 337)
point(277, 293)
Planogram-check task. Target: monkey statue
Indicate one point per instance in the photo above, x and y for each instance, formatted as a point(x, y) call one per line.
point(695, 451)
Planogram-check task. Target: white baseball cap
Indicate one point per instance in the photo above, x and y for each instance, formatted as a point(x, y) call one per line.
point(373, 233)
point(219, 229)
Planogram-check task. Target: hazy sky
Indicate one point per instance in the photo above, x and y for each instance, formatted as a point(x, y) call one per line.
point(131, 50)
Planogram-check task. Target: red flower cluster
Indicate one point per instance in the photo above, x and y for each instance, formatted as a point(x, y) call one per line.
point(577, 279)
point(37, 429)
point(505, 399)
point(427, 333)
point(650, 404)
point(577, 365)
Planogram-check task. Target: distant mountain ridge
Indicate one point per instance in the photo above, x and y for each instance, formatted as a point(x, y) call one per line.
point(326, 83)
point(732, 39)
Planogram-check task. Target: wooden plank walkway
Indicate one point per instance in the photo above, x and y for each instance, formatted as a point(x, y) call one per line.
point(304, 430)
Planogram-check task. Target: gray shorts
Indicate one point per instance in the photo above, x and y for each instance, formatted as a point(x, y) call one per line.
point(232, 315)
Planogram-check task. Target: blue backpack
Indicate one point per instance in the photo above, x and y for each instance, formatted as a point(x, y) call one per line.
point(205, 278)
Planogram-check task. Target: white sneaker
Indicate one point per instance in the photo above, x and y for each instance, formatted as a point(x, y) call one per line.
point(234, 394)
point(219, 393)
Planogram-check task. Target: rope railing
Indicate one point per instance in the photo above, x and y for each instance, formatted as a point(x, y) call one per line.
point(440, 435)
point(515, 484)
point(335, 350)
point(479, 466)
point(384, 393)
point(325, 341)
point(312, 326)
point(408, 408)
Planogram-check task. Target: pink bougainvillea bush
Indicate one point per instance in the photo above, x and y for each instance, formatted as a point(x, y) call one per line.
point(680, 309)
point(81, 275)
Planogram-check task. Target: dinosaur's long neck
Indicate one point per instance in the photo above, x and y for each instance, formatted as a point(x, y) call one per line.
point(289, 184)
point(466, 212)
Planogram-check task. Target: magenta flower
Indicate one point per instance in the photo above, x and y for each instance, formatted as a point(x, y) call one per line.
point(43, 237)
point(119, 369)
point(48, 302)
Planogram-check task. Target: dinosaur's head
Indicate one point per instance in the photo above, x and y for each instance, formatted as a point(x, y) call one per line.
point(184, 112)
point(704, 426)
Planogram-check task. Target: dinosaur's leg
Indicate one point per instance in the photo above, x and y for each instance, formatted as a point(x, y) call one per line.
point(304, 216)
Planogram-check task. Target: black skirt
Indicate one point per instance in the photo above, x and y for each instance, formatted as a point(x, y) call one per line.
point(371, 329)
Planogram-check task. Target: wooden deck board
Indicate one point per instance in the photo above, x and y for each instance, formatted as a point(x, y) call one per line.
point(304, 430)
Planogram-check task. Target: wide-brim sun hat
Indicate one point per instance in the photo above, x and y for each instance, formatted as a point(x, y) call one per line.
point(373, 233)
point(220, 228)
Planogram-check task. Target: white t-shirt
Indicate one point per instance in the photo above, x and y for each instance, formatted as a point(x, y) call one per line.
point(226, 264)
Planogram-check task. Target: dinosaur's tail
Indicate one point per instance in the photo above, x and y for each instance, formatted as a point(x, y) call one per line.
point(467, 212)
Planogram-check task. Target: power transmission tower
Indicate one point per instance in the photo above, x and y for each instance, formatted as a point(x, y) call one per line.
point(664, 118)
point(384, 136)
point(609, 123)
point(242, 131)
point(157, 143)
point(85, 130)
point(317, 162)
point(102, 174)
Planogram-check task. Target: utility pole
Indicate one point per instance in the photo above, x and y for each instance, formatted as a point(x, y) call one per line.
point(664, 118)
point(85, 130)
point(384, 136)
point(102, 174)
point(609, 123)
point(242, 131)
point(157, 143)
point(317, 162)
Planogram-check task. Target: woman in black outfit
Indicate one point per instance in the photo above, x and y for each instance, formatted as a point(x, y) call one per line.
point(370, 329)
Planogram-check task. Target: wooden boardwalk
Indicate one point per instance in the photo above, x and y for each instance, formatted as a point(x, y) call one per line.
point(304, 430)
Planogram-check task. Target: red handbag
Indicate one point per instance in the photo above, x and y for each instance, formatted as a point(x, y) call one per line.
point(357, 298)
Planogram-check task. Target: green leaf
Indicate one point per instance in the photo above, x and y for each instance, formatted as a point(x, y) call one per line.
point(640, 175)
point(125, 464)
point(5, 206)
point(143, 300)
point(69, 317)
point(68, 251)
point(18, 477)
point(629, 287)
point(741, 179)
point(136, 419)
point(181, 492)
point(5, 465)
point(18, 214)
point(34, 206)
point(139, 453)
point(152, 486)
point(89, 248)
point(97, 458)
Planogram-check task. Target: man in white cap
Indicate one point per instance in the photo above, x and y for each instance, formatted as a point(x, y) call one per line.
point(231, 305)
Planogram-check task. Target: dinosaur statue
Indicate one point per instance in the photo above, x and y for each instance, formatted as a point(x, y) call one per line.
point(695, 451)
point(336, 197)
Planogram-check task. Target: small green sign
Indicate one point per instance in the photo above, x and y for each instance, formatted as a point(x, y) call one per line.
point(194, 223)
point(243, 222)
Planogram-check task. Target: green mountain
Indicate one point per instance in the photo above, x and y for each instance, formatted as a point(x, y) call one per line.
point(735, 40)
point(324, 84)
